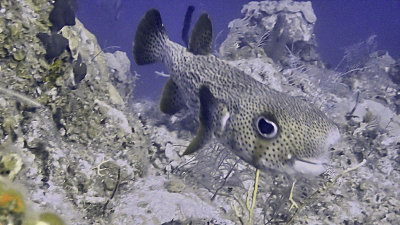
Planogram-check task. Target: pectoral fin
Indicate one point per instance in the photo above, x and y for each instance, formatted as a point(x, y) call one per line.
point(201, 38)
point(199, 141)
point(171, 100)
point(204, 132)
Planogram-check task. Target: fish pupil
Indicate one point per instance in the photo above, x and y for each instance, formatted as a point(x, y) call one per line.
point(266, 128)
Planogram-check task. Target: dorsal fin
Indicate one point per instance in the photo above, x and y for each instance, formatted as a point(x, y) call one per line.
point(201, 38)
point(186, 25)
point(207, 106)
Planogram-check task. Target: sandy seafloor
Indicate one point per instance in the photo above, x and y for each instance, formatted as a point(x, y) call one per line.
point(76, 142)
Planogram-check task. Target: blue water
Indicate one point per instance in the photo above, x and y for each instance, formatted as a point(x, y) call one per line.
point(340, 23)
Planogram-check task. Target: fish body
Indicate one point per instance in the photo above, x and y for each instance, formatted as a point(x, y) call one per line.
point(267, 129)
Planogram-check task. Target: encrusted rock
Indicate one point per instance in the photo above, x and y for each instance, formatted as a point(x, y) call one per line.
point(259, 18)
point(394, 72)
point(58, 127)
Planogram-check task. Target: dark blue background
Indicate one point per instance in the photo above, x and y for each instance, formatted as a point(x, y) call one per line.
point(339, 23)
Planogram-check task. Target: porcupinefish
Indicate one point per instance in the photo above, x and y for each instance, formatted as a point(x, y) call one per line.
point(267, 129)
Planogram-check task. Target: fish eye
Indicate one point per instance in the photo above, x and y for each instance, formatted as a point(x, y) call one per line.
point(266, 128)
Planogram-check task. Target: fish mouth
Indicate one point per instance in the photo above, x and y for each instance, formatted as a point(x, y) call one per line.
point(317, 165)
point(311, 167)
point(331, 138)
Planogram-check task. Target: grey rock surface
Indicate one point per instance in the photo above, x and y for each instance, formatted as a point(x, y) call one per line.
point(120, 74)
point(158, 199)
point(73, 140)
point(259, 18)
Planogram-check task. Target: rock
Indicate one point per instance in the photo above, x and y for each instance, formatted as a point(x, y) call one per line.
point(171, 153)
point(271, 7)
point(370, 77)
point(10, 165)
point(121, 76)
point(245, 34)
point(174, 186)
point(394, 72)
point(114, 95)
point(119, 62)
point(151, 203)
point(58, 129)
point(19, 55)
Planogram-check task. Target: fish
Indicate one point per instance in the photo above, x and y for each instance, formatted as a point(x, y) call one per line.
point(186, 25)
point(269, 130)
point(55, 44)
point(63, 14)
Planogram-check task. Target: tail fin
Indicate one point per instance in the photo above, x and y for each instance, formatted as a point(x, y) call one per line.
point(149, 38)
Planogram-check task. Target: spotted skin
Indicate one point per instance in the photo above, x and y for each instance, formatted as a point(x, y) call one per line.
point(304, 132)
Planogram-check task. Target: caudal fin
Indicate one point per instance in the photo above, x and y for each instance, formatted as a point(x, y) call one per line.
point(150, 38)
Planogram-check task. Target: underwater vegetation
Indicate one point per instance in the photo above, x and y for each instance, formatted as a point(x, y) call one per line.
point(274, 42)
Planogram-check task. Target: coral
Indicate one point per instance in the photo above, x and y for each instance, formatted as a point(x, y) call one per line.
point(56, 70)
point(247, 35)
point(11, 201)
point(394, 72)
point(356, 55)
point(50, 218)
point(59, 128)
point(10, 165)
point(120, 74)
point(13, 208)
